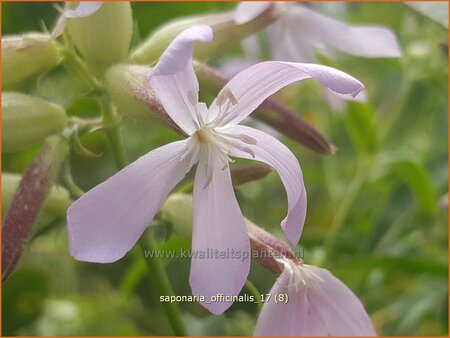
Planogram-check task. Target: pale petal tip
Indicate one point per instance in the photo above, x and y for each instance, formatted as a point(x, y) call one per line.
point(358, 90)
point(84, 9)
point(179, 53)
point(249, 10)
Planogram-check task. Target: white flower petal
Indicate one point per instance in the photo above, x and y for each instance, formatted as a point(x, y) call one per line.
point(248, 10)
point(253, 85)
point(339, 309)
point(323, 307)
point(293, 318)
point(271, 151)
point(218, 226)
point(366, 41)
point(84, 8)
point(174, 80)
point(106, 222)
point(287, 42)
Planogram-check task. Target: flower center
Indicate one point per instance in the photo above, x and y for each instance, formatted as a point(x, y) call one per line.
point(212, 143)
point(300, 276)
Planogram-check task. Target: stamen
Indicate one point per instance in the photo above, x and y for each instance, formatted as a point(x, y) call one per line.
point(231, 97)
point(209, 176)
point(224, 95)
point(227, 96)
point(195, 123)
point(193, 97)
point(244, 138)
point(300, 275)
point(247, 139)
point(248, 151)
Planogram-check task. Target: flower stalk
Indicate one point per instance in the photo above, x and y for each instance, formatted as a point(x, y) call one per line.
point(156, 269)
point(75, 65)
point(112, 130)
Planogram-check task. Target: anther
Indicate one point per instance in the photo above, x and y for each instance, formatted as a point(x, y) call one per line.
point(224, 95)
point(193, 97)
point(247, 139)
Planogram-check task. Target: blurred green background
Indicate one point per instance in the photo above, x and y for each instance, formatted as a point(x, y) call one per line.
point(377, 210)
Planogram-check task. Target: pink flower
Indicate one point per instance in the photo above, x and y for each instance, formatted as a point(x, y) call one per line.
point(108, 220)
point(310, 301)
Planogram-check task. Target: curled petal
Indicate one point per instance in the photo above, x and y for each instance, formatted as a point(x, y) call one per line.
point(366, 41)
point(219, 232)
point(253, 85)
point(324, 306)
point(174, 80)
point(106, 222)
point(271, 151)
point(84, 8)
point(248, 10)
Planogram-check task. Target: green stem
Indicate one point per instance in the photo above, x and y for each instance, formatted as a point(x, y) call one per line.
point(186, 188)
point(76, 66)
point(255, 293)
point(157, 272)
point(395, 110)
point(355, 186)
point(69, 183)
point(162, 284)
point(112, 129)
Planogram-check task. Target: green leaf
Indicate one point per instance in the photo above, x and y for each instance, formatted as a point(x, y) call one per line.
point(418, 180)
point(361, 127)
point(23, 299)
point(404, 264)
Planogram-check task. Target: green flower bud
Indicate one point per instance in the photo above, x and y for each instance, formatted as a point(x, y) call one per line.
point(103, 38)
point(25, 56)
point(128, 88)
point(177, 211)
point(226, 34)
point(28, 120)
point(55, 205)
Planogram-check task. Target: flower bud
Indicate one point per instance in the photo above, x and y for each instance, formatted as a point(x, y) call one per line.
point(241, 174)
point(27, 120)
point(102, 38)
point(129, 89)
point(226, 33)
point(267, 249)
point(126, 87)
point(55, 205)
point(28, 200)
point(25, 56)
point(177, 211)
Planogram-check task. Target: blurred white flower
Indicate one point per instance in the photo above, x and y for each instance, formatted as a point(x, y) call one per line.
point(300, 31)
